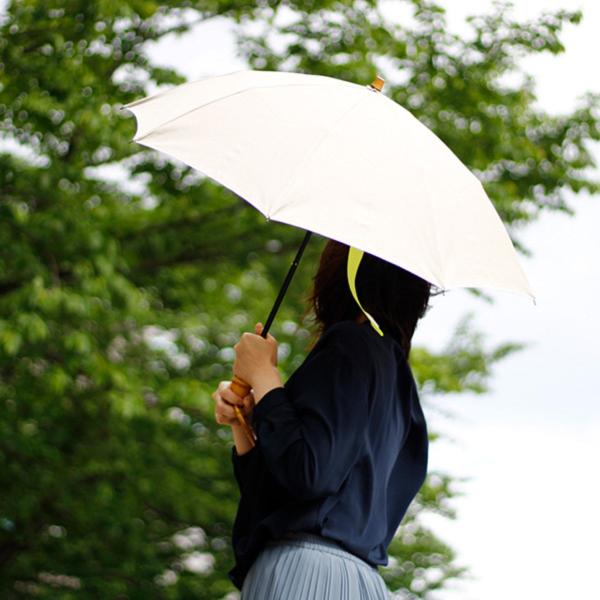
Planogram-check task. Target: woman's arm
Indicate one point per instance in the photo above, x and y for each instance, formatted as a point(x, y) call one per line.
point(269, 379)
point(309, 436)
point(242, 443)
point(266, 380)
point(312, 434)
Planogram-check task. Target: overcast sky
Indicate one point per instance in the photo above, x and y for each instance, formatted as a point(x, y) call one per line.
point(527, 524)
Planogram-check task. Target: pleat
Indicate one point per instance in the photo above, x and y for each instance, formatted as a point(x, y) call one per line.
point(308, 571)
point(259, 580)
point(328, 583)
point(309, 587)
point(349, 578)
point(289, 566)
point(371, 585)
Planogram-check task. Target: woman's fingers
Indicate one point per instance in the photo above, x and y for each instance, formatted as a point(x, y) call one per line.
point(227, 412)
point(224, 413)
point(228, 394)
point(258, 330)
point(225, 399)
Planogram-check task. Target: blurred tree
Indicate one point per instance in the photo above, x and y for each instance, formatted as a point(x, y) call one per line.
point(120, 301)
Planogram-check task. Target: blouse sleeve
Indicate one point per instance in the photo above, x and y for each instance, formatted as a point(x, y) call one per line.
point(246, 468)
point(312, 436)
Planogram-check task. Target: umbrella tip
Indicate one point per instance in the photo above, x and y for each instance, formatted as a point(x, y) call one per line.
point(377, 83)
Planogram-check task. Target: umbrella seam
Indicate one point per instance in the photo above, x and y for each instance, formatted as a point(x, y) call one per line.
point(190, 83)
point(187, 112)
point(309, 153)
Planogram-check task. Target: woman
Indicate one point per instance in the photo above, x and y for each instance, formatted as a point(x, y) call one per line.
point(342, 446)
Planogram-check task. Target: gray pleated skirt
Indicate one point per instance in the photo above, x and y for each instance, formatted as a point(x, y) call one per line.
point(305, 566)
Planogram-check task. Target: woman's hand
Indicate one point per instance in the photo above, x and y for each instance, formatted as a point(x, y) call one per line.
point(225, 398)
point(256, 357)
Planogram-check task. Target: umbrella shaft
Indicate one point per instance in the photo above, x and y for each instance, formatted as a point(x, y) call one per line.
point(285, 285)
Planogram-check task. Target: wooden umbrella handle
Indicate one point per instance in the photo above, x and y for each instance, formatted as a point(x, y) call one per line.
point(241, 388)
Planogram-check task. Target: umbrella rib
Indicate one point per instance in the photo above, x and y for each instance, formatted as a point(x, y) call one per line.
point(249, 89)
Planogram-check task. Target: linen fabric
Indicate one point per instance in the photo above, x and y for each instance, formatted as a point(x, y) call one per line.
point(341, 450)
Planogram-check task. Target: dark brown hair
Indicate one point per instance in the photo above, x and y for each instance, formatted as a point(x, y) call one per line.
point(395, 297)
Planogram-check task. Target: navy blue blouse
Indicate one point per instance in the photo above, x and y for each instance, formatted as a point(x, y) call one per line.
point(341, 450)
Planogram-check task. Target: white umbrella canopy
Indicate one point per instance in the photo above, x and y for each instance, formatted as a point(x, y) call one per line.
point(342, 160)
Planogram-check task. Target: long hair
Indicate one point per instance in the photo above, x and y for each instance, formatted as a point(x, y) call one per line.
point(395, 297)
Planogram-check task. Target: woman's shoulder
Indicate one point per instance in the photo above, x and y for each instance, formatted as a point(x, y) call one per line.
point(345, 332)
point(354, 340)
point(345, 340)
point(338, 344)
point(352, 336)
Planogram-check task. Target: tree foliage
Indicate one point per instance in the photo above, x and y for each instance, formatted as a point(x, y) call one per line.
point(120, 301)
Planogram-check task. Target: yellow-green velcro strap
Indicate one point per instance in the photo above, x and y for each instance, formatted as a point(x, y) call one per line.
point(354, 257)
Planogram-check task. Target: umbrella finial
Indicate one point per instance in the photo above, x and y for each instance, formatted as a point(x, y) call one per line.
point(377, 83)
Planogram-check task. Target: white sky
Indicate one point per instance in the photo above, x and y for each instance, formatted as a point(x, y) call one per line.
point(527, 524)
